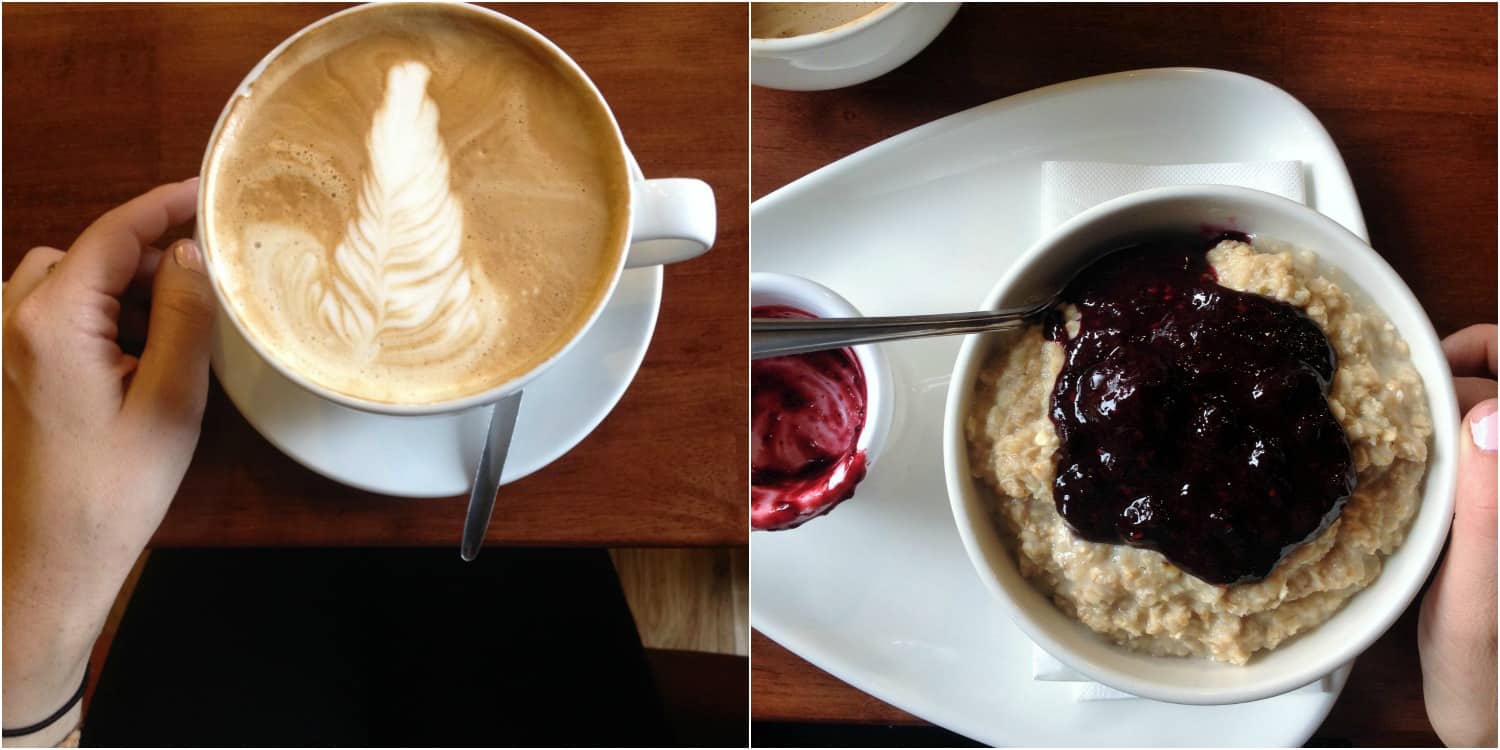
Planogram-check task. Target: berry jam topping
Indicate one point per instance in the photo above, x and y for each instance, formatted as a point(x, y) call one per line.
point(1193, 419)
point(806, 414)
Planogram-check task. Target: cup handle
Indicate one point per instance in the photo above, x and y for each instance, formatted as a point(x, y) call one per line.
point(675, 220)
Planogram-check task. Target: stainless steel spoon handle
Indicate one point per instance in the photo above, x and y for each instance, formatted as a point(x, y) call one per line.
point(487, 476)
point(777, 337)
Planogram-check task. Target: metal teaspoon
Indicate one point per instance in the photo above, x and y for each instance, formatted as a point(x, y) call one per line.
point(487, 476)
point(777, 337)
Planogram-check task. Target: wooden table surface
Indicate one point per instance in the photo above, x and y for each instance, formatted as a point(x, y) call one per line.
point(1408, 94)
point(104, 102)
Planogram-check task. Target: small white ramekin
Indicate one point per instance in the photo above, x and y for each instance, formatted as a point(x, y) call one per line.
point(1312, 654)
point(795, 291)
point(855, 52)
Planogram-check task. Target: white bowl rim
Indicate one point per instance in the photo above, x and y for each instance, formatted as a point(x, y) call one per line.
point(1438, 483)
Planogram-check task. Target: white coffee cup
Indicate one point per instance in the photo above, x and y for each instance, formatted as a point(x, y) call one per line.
point(858, 51)
point(671, 220)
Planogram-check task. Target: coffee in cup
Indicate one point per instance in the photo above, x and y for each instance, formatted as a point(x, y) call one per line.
point(415, 203)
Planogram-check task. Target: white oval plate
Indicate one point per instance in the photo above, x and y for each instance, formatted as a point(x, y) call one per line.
point(880, 593)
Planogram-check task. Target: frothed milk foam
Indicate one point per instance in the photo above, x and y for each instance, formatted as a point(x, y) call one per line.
point(414, 204)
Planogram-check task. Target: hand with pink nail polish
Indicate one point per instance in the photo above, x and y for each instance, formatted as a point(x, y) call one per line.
point(98, 433)
point(1456, 632)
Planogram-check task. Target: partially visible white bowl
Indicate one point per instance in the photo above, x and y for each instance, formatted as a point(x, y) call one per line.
point(1309, 656)
point(855, 52)
point(812, 297)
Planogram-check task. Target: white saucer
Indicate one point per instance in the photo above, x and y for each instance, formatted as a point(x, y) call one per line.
point(436, 456)
point(880, 593)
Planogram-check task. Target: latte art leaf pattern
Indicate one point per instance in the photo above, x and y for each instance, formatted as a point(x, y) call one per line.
point(398, 281)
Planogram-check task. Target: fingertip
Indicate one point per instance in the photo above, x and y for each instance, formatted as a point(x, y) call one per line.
point(1482, 422)
point(184, 204)
point(173, 202)
point(1475, 497)
point(190, 186)
point(188, 255)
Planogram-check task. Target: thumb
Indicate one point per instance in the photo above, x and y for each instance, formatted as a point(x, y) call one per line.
point(171, 383)
point(1462, 597)
point(1456, 629)
point(1474, 500)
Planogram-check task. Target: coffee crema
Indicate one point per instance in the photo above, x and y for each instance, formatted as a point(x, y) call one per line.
point(413, 204)
point(783, 20)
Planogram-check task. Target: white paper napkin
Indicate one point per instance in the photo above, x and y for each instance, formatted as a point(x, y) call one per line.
point(1071, 187)
point(1044, 668)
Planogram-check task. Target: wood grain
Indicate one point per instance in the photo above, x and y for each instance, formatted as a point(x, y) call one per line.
point(1408, 93)
point(688, 599)
point(783, 687)
point(104, 101)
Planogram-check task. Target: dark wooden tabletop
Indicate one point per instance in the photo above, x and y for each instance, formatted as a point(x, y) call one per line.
point(1408, 94)
point(103, 102)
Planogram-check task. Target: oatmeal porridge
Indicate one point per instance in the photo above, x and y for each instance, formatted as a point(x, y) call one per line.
point(1139, 597)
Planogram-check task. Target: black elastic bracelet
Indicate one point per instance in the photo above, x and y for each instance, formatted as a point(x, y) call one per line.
point(50, 720)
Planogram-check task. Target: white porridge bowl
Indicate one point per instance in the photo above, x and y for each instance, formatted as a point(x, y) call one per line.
point(810, 296)
point(1345, 259)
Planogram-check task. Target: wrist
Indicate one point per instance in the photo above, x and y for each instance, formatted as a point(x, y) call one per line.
point(56, 598)
point(28, 724)
point(47, 643)
point(52, 735)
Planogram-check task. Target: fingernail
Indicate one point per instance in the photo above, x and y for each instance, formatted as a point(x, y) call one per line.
point(1482, 424)
point(188, 256)
point(191, 180)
